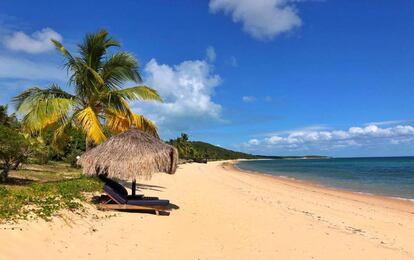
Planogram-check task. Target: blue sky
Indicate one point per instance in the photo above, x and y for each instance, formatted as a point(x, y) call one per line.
point(283, 77)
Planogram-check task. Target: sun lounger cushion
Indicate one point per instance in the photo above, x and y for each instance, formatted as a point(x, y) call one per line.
point(149, 202)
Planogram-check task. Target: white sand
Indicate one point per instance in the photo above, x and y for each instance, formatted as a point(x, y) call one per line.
point(226, 214)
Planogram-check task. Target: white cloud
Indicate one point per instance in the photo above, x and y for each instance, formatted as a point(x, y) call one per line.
point(19, 68)
point(37, 42)
point(254, 142)
point(262, 19)
point(211, 54)
point(333, 139)
point(187, 90)
point(390, 122)
point(297, 130)
point(248, 99)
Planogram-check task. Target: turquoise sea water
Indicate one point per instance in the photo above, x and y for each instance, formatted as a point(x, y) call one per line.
point(389, 176)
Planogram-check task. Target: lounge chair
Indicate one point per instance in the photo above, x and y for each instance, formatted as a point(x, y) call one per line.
point(119, 200)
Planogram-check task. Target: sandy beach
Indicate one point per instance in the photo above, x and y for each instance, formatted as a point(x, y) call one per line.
point(224, 213)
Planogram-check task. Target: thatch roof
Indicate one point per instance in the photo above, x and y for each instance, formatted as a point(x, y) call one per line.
point(130, 155)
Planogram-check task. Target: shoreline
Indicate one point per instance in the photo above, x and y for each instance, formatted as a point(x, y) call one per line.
point(403, 204)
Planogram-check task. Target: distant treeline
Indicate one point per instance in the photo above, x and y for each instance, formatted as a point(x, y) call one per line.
point(196, 150)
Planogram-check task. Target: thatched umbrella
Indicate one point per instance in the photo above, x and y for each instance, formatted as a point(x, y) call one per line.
point(130, 155)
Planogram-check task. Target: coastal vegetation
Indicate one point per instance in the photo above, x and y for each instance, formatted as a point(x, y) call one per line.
point(51, 127)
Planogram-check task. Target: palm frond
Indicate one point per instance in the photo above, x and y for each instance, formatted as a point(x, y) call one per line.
point(120, 67)
point(59, 46)
point(96, 76)
point(115, 102)
point(45, 113)
point(138, 93)
point(88, 120)
point(85, 79)
point(118, 122)
point(43, 107)
point(59, 134)
point(31, 95)
point(80, 72)
point(72, 63)
point(145, 124)
point(94, 48)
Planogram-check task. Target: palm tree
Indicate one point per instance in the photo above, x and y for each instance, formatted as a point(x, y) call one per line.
point(99, 102)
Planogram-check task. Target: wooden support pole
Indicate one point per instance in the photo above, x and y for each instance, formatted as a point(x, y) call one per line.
point(172, 160)
point(134, 187)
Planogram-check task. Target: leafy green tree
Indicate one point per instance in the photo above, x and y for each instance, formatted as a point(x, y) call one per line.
point(98, 100)
point(13, 148)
